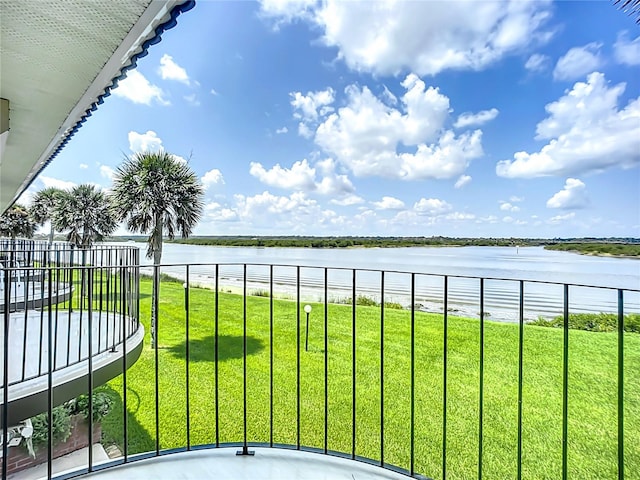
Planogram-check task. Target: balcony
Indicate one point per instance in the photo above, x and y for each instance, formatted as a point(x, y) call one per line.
point(284, 371)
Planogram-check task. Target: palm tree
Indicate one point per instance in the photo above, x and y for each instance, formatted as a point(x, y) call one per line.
point(85, 211)
point(16, 221)
point(43, 207)
point(158, 195)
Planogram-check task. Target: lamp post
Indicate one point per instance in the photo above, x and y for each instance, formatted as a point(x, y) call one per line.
point(307, 310)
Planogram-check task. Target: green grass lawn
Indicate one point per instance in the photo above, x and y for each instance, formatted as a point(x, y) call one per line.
point(592, 420)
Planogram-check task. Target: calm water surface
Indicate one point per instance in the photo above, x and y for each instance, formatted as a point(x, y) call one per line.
point(510, 264)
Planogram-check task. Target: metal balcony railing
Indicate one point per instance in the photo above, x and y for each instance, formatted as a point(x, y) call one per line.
point(429, 375)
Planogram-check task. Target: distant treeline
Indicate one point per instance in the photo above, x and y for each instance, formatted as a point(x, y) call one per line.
point(608, 245)
point(616, 249)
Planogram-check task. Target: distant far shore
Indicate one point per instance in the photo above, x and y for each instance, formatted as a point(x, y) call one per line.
point(610, 247)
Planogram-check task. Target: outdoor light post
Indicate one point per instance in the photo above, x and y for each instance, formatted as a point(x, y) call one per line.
point(307, 310)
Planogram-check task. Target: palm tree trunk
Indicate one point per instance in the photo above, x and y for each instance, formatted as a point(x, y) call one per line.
point(156, 248)
point(51, 236)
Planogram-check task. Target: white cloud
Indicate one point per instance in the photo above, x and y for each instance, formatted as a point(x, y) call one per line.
point(142, 142)
point(83, 166)
point(627, 51)
point(107, 172)
point(562, 218)
point(516, 199)
point(431, 207)
point(348, 200)
point(365, 134)
point(586, 132)
point(473, 119)
point(537, 63)
point(299, 177)
point(282, 130)
point(573, 195)
point(425, 37)
point(578, 62)
point(56, 183)
point(212, 177)
point(214, 92)
point(136, 87)
point(508, 207)
point(192, 100)
point(389, 203)
point(170, 70)
point(462, 181)
point(306, 107)
point(215, 212)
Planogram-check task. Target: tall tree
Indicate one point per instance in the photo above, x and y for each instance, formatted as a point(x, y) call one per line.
point(157, 194)
point(43, 208)
point(86, 213)
point(16, 222)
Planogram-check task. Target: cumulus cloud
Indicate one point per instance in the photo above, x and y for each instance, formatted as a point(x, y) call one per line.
point(562, 218)
point(107, 172)
point(56, 183)
point(347, 200)
point(476, 119)
point(578, 62)
point(138, 89)
point(282, 130)
point(142, 142)
point(627, 52)
point(431, 206)
point(537, 63)
point(83, 166)
point(572, 196)
point(307, 107)
point(365, 134)
point(170, 70)
point(586, 131)
point(424, 37)
point(299, 177)
point(215, 212)
point(508, 207)
point(212, 177)
point(192, 99)
point(462, 181)
point(303, 177)
point(516, 199)
point(389, 203)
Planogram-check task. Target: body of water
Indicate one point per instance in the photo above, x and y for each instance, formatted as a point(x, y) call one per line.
point(501, 267)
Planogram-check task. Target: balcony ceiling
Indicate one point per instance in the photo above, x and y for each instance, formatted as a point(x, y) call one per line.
point(56, 59)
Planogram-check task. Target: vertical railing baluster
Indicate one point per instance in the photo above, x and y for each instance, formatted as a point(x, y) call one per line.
point(26, 329)
point(620, 385)
point(520, 375)
point(216, 354)
point(5, 369)
point(271, 355)
point(382, 369)
point(353, 367)
point(49, 389)
point(298, 357)
point(155, 335)
point(125, 420)
point(245, 447)
point(186, 308)
point(412, 448)
point(565, 382)
point(55, 345)
point(481, 373)
point(326, 359)
point(444, 376)
point(89, 275)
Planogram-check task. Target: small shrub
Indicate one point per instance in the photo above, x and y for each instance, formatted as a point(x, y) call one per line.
point(260, 293)
point(102, 405)
point(593, 322)
point(392, 305)
point(60, 426)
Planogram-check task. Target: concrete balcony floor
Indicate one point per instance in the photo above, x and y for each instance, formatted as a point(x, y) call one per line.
point(266, 464)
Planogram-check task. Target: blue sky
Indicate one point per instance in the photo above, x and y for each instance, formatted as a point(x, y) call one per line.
point(426, 118)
